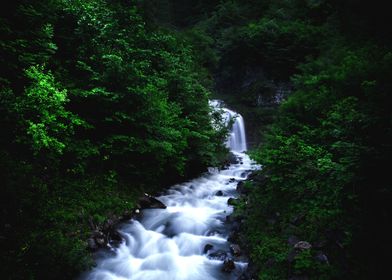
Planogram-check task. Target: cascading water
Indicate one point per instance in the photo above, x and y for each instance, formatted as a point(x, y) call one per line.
point(188, 239)
point(237, 139)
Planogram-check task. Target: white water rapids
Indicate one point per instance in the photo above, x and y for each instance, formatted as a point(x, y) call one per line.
point(188, 239)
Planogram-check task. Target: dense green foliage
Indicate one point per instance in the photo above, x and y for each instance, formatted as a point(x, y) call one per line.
point(326, 156)
point(101, 100)
point(97, 105)
point(326, 161)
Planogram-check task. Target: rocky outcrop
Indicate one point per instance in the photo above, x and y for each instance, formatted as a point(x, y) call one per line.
point(147, 202)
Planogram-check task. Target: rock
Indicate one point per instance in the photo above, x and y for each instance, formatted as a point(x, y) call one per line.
point(91, 244)
point(235, 250)
point(115, 236)
point(99, 238)
point(232, 201)
point(228, 265)
point(97, 233)
point(219, 193)
point(100, 241)
point(302, 245)
point(321, 257)
point(218, 255)
point(148, 202)
point(241, 189)
point(232, 180)
point(207, 248)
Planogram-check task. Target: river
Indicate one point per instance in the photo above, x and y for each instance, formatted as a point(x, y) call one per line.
point(188, 239)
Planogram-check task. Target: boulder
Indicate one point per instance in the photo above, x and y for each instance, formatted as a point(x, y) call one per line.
point(100, 241)
point(302, 245)
point(218, 255)
point(228, 265)
point(115, 236)
point(219, 193)
point(241, 189)
point(148, 202)
point(235, 250)
point(99, 238)
point(321, 257)
point(207, 248)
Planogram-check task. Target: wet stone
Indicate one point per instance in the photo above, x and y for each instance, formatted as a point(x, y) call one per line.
point(219, 193)
point(235, 250)
point(228, 265)
point(207, 248)
point(218, 255)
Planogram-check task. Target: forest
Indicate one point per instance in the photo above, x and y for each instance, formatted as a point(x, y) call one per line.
point(104, 100)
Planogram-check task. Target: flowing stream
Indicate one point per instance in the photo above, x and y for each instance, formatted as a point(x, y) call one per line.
point(188, 239)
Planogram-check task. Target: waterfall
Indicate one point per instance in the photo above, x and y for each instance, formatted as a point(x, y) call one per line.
point(236, 140)
point(188, 239)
